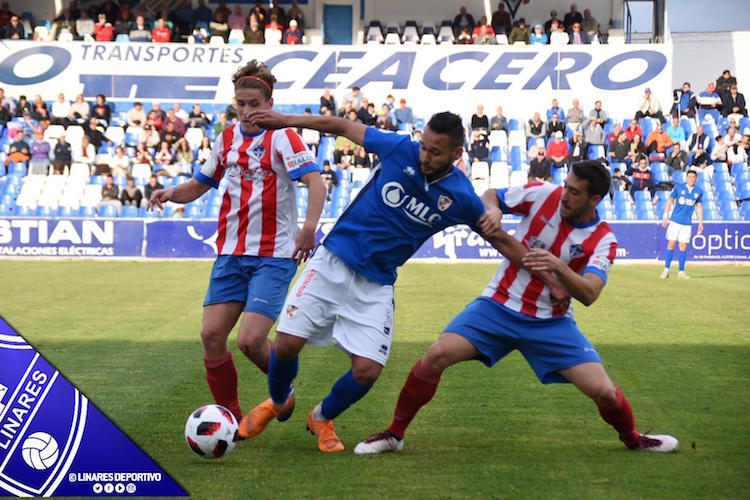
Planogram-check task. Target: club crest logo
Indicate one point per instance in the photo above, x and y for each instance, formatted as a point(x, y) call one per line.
point(258, 151)
point(575, 251)
point(444, 202)
point(291, 310)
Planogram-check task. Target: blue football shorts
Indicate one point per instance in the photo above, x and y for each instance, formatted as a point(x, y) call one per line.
point(261, 283)
point(548, 344)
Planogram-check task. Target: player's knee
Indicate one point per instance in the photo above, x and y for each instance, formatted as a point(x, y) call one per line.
point(287, 346)
point(251, 343)
point(604, 395)
point(366, 373)
point(436, 359)
point(213, 338)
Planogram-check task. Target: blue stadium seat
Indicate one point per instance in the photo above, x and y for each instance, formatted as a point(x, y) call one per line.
point(17, 168)
point(513, 124)
point(86, 212)
point(4, 210)
point(22, 211)
point(108, 211)
point(642, 196)
point(711, 214)
point(194, 211)
point(64, 211)
point(746, 210)
point(678, 176)
point(99, 180)
point(739, 168)
point(213, 212)
point(129, 211)
point(43, 211)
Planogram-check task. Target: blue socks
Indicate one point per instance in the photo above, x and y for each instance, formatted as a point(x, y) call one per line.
point(281, 373)
point(668, 258)
point(681, 257)
point(345, 392)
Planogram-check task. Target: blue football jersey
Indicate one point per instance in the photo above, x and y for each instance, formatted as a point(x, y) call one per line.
point(397, 209)
point(685, 200)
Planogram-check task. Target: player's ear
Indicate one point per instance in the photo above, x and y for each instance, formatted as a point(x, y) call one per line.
point(270, 102)
point(457, 152)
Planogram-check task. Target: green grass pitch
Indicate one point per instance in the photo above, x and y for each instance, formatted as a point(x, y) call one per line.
point(127, 335)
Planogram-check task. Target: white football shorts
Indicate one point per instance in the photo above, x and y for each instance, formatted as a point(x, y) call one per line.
point(329, 300)
point(679, 232)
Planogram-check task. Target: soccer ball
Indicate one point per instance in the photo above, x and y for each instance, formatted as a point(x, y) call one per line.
point(211, 431)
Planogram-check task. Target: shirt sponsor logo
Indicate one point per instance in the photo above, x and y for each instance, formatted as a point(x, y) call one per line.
point(299, 159)
point(308, 278)
point(394, 195)
point(601, 263)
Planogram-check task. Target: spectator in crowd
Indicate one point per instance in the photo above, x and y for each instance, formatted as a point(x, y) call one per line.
point(499, 122)
point(200, 35)
point(675, 131)
point(170, 134)
point(578, 147)
point(724, 82)
point(18, 151)
point(558, 36)
point(589, 25)
point(538, 36)
point(575, 116)
point(85, 153)
point(161, 33)
point(60, 110)
point(204, 151)
point(79, 110)
point(555, 108)
point(273, 32)
point(540, 167)
point(685, 103)
point(548, 28)
point(657, 143)
point(330, 178)
point(7, 102)
point(183, 158)
point(367, 113)
point(463, 21)
point(594, 133)
point(183, 18)
point(260, 13)
point(327, 101)
point(536, 127)
point(649, 106)
point(361, 158)
point(39, 155)
point(153, 185)
point(218, 25)
point(149, 136)
point(734, 104)
point(84, 25)
point(23, 107)
point(633, 130)
point(573, 16)
point(636, 151)
point(197, 118)
point(612, 137)
point(278, 12)
point(140, 30)
point(154, 119)
point(558, 151)
point(29, 125)
point(618, 150)
point(164, 161)
point(719, 151)
point(136, 115)
point(501, 22)
point(478, 28)
point(732, 141)
point(484, 36)
point(131, 195)
point(91, 130)
point(464, 37)
point(14, 30)
point(231, 111)
point(619, 182)
point(119, 164)
point(578, 37)
point(478, 150)
point(292, 36)
point(39, 108)
point(5, 116)
point(404, 115)
point(384, 121)
point(253, 31)
point(102, 111)
point(642, 177)
point(65, 21)
point(677, 159)
point(103, 29)
point(61, 155)
point(221, 124)
point(352, 115)
point(345, 155)
point(143, 155)
point(520, 32)
point(178, 117)
point(354, 98)
point(310, 137)
point(295, 13)
point(236, 19)
point(599, 114)
point(698, 146)
point(110, 195)
point(553, 126)
point(709, 101)
point(479, 120)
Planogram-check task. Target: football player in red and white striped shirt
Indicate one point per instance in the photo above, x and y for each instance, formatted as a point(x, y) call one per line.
point(259, 242)
point(564, 235)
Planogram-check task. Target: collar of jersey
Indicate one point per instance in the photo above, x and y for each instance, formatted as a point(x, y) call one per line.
point(246, 134)
point(448, 174)
point(585, 224)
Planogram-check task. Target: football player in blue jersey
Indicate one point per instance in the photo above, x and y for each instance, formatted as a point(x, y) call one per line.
point(686, 199)
point(345, 293)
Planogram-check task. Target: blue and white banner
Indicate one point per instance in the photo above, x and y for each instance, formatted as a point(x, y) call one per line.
point(54, 442)
point(521, 79)
point(23, 237)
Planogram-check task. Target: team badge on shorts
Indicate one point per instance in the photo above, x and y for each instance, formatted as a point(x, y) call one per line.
point(291, 310)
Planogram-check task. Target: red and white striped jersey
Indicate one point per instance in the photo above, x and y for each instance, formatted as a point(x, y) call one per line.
point(588, 248)
point(258, 214)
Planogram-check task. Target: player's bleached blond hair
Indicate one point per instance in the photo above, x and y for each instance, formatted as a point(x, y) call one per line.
point(255, 75)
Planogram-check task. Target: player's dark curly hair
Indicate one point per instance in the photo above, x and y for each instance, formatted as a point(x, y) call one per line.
point(259, 77)
point(450, 124)
point(597, 175)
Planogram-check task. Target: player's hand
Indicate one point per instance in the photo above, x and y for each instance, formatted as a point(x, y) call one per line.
point(700, 228)
point(541, 260)
point(664, 222)
point(491, 222)
point(304, 244)
point(265, 118)
point(159, 197)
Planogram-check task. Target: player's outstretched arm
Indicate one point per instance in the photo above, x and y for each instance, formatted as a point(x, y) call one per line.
point(585, 289)
point(305, 242)
point(354, 131)
point(184, 193)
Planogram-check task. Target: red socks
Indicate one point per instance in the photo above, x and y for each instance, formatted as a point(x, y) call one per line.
point(620, 416)
point(418, 390)
point(222, 380)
